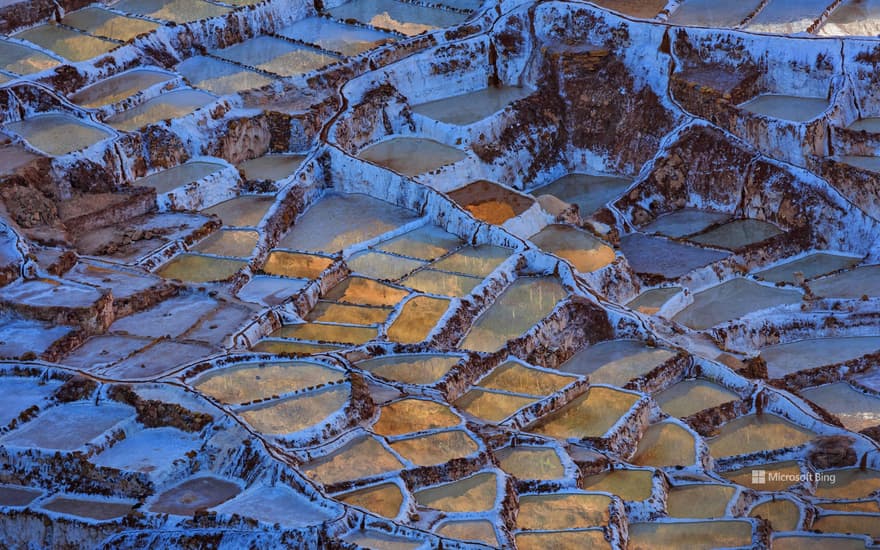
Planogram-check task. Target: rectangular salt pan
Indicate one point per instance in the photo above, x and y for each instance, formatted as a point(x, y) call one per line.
point(168, 106)
point(276, 56)
point(220, 77)
point(58, 134)
point(177, 11)
point(336, 37)
point(69, 44)
point(408, 19)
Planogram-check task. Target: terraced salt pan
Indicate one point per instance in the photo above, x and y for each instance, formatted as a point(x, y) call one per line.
point(587, 191)
point(431, 281)
point(274, 505)
point(477, 261)
point(616, 362)
point(650, 301)
point(417, 319)
point(194, 494)
point(297, 413)
point(336, 37)
point(471, 494)
point(412, 369)
point(360, 458)
point(177, 11)
point(474, 530)
point(590, 415)
point(148, 451)
point(783, 515)
point(706, 13)
point(276, 56)
point(827, 542)
point(358, 290)
point(699, 500)
point(584, 251)
point(49, 293)
point(23, 393)
point(176, 104)
point(872, 164)
point(196, 268)
point(657, 255)
point(244, 211)
point(786, 107)
point(784, 359)
point(330, 312)
point(849, 523)
point(271, 167)
point(562, 511)
point(67, 427)
point(436, 448)
point(780, 476)
point(755, 433)
point(296, 265)
point(16, 496)
point(472, 107)
point(490, 202)
point(411, 156)
point(737, 234)
point(67, 43)
point(229, 242)
point(322, 332)
point(576, 538)
point(867, 124)
point(118, 87)
point(732, 300)
point(492, 406)
point(787, 16)
point(414, 415)
point(531, 462)
point(384, 499)
point(106, 24)
point(88, 508)
point(697, 535)
point(251, 382)
point(811, 266)
point(692, 396)
point(682, 223)
point(372, 539)
point(665, 444)
point(856, 410)
point(357, 218)
point(525, 302)
point(425, 243)
point(21, 59)
point(861, 281)
point(292, 348)
point(630, 485)
point(402, 17)
point(853, 18)
point(378, 265)
point(645, 9)
point(58, 134)
point(848, 483)
point(515, 377)
point(220, 77)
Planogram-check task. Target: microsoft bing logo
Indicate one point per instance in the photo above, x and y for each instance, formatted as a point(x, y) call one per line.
point(759, 477)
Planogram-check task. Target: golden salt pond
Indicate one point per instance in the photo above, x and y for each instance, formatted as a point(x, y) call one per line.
point(531, 462)
point(584, 251)
point(562, 511)
point(471, 494)
point(444, 284)
point(118, 87)
point(700, 500)
point(331, 312)
point(783, 514)
point(378, 265)
point(414, 415)
point(691, 396)
point(650, 301)
point(490, 405)
point(425, 243)
point(296, 413)
point(475, 530)
point(417, 318)
point(295, 264)
point(754, 433)
point(384, 499)
point(229, 242)
point(358, 290)
point(294, 348)
point(411, 156)
point(849, 483)
point(515, 377)
point(412, 369)
point(320, 332)
point(799, 542)
point(779, 476)
point(632, 485)
point(360, 458)
point(590, 415)
point(696, 535)
point(477, 261)
point(490, 202)
point(616, 362)
point(245, 383)
point(866, 524)
point(436, 448)
point(582, 538)
point(665, 444)
point(196, 268)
